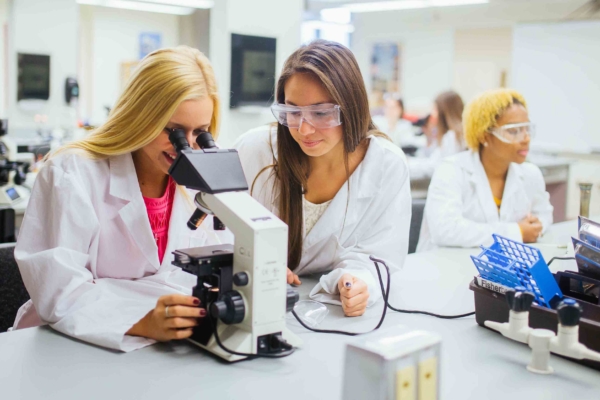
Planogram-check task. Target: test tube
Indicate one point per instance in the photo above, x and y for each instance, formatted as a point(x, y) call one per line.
point(585, 193)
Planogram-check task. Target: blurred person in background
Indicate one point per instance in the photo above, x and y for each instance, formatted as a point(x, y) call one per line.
point(400, 130)
point(445, 140)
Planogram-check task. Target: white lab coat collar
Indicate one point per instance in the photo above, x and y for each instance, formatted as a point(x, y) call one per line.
point(478, 178)
point(124, 185)
point(367, 179)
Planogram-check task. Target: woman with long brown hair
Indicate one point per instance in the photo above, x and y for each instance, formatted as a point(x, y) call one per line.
point(341, 186)
point(447, 111)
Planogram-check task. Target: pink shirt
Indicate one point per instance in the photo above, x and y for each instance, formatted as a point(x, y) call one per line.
point(159, 214)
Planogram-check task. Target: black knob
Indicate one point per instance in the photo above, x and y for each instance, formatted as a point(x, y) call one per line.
point(230, 308)
point(205, 140)
point(519, 300)
point(240, 279)
point(292, 298)
point(569, 312)
point(218, 225)
point(178, 139)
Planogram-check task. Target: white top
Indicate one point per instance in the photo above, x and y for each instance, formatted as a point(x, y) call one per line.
point(371, 216)
point(423, 167)
point(460, 210)
point(87, 254)
point(312, 212)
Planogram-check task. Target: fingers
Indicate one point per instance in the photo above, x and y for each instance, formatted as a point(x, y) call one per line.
point(345, 284)
point(292, 278)
point(182, 333)
point(186, 312)
point(356, 311)
point(351, 303)
point(352, 287)
point(177, 323)
point(178, 299)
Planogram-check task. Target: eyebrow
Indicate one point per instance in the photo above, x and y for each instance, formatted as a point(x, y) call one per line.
point(314, 104)
point(175, 125)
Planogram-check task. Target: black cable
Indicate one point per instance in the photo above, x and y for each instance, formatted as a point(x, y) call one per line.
point(560, 258)
point(385, 298)
point(213, 323)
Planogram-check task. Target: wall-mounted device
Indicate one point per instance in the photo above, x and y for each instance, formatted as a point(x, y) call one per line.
point(71, 90)
point(252, 70)
point(33, 77)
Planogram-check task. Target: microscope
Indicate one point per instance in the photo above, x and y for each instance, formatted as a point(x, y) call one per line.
point(243, 287)
point(12, 173)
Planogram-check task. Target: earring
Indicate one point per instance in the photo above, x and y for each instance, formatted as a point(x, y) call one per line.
point(485, 144)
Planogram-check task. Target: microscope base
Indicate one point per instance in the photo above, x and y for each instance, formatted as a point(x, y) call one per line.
point(238, 340)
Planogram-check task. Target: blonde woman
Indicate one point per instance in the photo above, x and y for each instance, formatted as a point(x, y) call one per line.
point(489, 189)
point(95, 245)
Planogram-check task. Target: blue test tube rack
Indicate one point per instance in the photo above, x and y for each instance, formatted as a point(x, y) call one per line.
point(513, 264)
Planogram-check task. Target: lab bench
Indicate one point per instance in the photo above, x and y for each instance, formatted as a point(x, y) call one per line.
point(475, 362)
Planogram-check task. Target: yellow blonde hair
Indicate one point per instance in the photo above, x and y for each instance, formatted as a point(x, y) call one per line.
point(481, 113)
point(163, 80)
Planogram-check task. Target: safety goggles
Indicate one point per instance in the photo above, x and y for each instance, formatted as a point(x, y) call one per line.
point(514, 133)
point(321, 116)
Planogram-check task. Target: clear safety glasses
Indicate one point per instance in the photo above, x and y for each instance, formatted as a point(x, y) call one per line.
point(321, 116)
point(514, 133)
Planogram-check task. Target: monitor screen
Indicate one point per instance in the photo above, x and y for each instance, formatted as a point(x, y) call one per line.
point(253, 63)
point(33, 77)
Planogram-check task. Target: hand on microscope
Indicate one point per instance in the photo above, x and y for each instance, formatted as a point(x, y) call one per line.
point(531, 228)
point(173, 318)
point(354, 295)
point(292, 278)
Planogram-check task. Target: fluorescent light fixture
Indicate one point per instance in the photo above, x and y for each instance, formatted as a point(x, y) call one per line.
point(139, 6)
point(407, 5)
point(184, 3)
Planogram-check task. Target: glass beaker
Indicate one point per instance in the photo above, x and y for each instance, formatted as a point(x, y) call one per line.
point(585, 193)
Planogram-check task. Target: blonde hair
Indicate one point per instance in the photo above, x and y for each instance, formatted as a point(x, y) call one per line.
point(163, 80)
point(481, 114)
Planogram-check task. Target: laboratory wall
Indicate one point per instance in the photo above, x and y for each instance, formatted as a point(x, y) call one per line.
point(113, 35)
point(59, 40)
point(426, 56)
point(244, 17)
point(556, 66)
point(482, 60)
point(194, 30)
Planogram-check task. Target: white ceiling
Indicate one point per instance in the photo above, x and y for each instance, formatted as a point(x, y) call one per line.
point(496, 12)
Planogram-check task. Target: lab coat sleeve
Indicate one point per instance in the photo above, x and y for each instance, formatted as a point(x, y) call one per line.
point(444, 213)
point(541, 206)
point(424, 167)
point(53, 252)
point(387, 239)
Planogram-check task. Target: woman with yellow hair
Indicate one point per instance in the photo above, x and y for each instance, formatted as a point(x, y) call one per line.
point(95, 246)
point(490, 189)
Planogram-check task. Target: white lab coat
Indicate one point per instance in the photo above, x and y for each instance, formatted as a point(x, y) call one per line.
point(423, 167)
point(460, 210)
point(87, 254)
point(374, 214)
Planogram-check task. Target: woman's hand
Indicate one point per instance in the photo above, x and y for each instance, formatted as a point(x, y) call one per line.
point(173, 318)
point(354, 294)
point(292, 278)
point(531, 228)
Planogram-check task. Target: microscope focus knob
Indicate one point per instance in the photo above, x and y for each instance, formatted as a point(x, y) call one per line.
point(519, 300)
point(292, 298)
point(240, 279)
point(230, 309)
point(569, 312)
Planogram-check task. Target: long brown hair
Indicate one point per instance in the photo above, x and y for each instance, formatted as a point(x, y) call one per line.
point(450, 109)
point(336, 68)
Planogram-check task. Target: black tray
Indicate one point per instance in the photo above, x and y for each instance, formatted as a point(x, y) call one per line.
point(492, 306)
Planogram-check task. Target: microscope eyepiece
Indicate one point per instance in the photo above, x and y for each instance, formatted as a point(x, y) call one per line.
point(205, 140)
point(178, 139)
